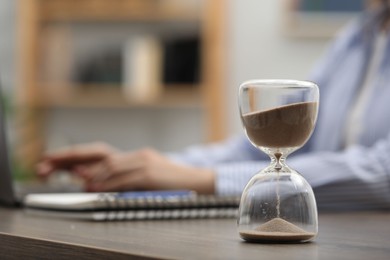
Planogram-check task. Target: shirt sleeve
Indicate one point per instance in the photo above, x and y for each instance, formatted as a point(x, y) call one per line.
point(234, 149)
point(357, 178)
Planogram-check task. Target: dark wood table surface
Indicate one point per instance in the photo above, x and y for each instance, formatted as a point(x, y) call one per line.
point(354, 235)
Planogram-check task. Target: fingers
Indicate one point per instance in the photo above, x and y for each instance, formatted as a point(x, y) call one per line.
point(96, 173)
point(91, 172)
point(119, 182)
point(120, 163)
point(101, 170)
point(119, 171)
point(67, 159)
point(44, 168)
point(80, 153)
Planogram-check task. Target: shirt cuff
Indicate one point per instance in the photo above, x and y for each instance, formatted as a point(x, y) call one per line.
point(232, 178)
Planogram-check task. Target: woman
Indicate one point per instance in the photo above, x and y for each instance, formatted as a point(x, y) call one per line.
point(347, 160)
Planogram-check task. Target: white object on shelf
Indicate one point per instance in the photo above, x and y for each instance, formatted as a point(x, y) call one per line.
point(142, 68)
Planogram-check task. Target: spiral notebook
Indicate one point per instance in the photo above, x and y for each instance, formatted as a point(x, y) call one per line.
point(180, 204)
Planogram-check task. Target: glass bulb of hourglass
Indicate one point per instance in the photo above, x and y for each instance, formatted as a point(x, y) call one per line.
point(278, 118)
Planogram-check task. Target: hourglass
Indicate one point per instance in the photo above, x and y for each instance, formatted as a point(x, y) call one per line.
point(278, 204)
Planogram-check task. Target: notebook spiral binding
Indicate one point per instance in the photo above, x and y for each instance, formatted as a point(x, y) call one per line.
point(147, 208)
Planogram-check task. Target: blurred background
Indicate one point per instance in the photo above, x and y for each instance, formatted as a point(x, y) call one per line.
point(157, 73)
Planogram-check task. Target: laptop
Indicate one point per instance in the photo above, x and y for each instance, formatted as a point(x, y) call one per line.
point(12, 193)
point(7, 194)
point(132, 205)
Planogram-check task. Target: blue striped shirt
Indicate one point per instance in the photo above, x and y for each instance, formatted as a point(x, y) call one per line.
point(356, 177)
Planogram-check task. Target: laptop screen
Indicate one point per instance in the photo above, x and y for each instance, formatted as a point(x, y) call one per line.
point(7, 195)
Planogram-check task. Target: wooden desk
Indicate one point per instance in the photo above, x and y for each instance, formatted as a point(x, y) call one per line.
point(364, 235)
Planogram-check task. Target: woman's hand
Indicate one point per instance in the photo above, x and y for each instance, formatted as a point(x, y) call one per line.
point(106, 169)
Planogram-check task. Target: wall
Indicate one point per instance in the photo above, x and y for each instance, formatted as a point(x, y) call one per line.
point(7, 42)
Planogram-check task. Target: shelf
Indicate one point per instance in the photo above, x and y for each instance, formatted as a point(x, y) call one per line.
point(115, 10)
point(111, 96)
point(35, 20)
